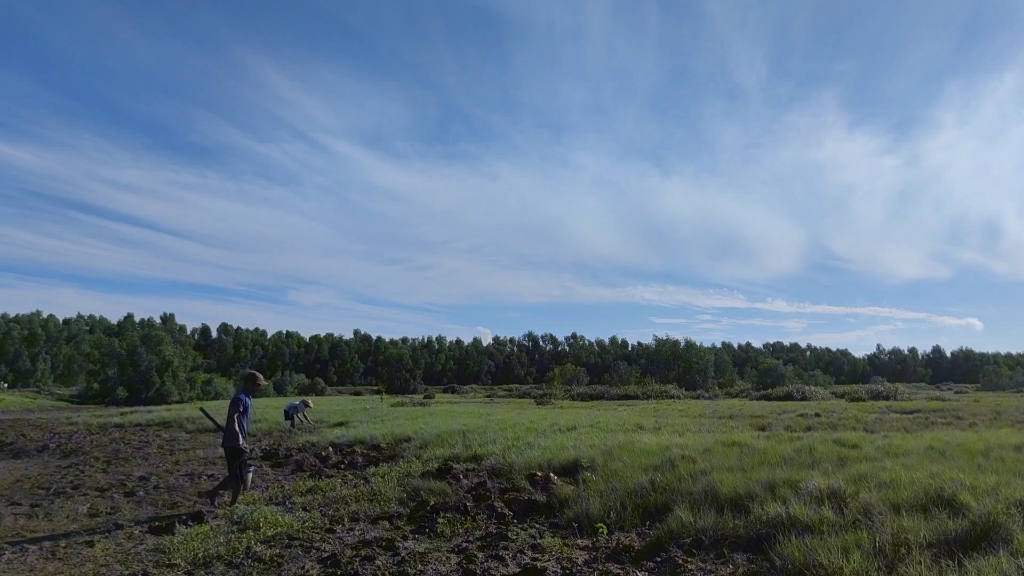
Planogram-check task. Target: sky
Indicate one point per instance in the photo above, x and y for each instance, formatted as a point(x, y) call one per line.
point(845, 173)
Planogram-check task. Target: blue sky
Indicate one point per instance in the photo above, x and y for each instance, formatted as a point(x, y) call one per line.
point(841, 173)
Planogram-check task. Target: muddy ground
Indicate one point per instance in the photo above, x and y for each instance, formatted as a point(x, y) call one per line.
point(103, 501)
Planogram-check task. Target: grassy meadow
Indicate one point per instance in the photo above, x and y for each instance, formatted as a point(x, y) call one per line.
point(928, 486)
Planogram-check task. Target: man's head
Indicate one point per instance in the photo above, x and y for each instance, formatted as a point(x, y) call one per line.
point(253, 381)
point(307, 403)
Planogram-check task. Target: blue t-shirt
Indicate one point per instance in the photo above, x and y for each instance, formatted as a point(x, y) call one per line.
point(242, 405)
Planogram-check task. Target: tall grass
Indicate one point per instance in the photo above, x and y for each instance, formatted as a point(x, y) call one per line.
point(812, 487)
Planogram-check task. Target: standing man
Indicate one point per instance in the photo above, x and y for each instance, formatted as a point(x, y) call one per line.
point(235, 441)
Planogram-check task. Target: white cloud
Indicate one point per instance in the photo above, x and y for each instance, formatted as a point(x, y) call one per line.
point(675, 296)
point(325, 190)
point(485, 334)
point(862, 339)
point(705, 321)
point(340, 317)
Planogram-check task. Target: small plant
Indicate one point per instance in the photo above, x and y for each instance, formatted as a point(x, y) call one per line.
point(602, 530)
point(429, 396)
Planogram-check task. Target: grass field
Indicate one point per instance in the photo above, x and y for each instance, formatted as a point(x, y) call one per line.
point(917, 487)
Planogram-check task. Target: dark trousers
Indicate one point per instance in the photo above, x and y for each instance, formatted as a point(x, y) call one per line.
point(237, 463)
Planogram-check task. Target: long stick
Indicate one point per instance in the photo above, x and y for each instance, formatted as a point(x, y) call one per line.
point(212, 419)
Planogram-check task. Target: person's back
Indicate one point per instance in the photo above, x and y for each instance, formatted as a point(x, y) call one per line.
point(236, 433)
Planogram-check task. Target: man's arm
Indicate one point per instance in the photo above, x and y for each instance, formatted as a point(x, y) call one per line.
point(306, 416)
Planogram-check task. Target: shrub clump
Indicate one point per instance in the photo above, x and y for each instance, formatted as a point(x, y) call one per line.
point(405, 403)
point(887, 392)
point(429, 396)
point(793, 393)
point(455, 389)
point(856, 395)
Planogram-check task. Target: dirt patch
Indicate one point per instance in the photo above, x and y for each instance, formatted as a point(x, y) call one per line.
point(104, 501)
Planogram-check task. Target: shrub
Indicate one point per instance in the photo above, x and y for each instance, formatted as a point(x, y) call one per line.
point(887, 392)
point(818, 379)
point(543, 401)
point(567, 376)
point(359, 392)
point(402, 387)
point(856, 395)
point(455, 389)
point(406, 403)
point(646, 389)
point(429, 396)
point(314, 387)
point(795, 393)
point(288, 384)
point(769, 373)
point(877, 381)
point(962, 391)
point(213, 387)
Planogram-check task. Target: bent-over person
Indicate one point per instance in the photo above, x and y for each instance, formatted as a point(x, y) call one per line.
point(297, 411)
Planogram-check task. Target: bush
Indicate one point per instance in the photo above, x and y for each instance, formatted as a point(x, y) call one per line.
point(213, 387)
point(877, 381)
point(567, 376)
point(887, 393)
point(399, 387)
point(646, 389)
point(543, 401)
point(359, 392)
point(455, 389)
point(795, 393)
point(856, 395)
point(405, 403)
point(818, 379)
point(429, 396)
point(288, 384)
point(314, 387)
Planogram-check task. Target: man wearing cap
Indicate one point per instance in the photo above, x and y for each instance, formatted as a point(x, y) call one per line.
point(236, 432)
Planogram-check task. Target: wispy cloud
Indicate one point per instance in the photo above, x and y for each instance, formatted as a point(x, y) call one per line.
point(561, 160)
point(670, 295)
point(704, 321)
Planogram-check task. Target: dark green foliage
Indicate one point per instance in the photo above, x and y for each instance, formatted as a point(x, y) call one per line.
point(314, 387)
point(213, 387)
point(159, 361)
point(999, 378)
point(567, 376)
point(429, 396)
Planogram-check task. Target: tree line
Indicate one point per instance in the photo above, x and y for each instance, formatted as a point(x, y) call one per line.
point(135, 361)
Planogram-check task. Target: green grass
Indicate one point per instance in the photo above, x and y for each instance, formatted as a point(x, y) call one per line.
point(12, 400)
point(920, 487)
